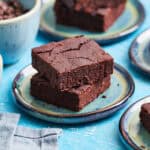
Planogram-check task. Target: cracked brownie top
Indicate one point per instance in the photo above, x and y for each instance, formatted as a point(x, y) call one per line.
point(71, 53)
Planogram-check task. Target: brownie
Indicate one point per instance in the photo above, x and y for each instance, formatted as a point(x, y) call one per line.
point(74, 99)
point(145, 116)
point(72, 62)
point(87, 14)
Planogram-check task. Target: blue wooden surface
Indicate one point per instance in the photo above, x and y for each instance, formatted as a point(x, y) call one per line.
point(102, 134)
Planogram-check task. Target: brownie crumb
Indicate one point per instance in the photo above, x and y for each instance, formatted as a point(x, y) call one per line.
point(11, 9)
point(143, 147)
point(118, 84)
point(104, 96)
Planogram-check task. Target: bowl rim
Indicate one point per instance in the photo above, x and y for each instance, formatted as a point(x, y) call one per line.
point(36, 6)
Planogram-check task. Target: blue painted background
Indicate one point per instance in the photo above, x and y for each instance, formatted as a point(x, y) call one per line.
point(100, 135)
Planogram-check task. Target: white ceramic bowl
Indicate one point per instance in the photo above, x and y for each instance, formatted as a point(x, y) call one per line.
point(17, 34)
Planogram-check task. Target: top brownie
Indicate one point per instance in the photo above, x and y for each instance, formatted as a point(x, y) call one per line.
point(72, 62)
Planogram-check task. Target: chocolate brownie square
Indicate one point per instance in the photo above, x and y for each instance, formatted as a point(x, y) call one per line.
point(88, 14)
point(145, 116)
point(72, 62)
point(74, 99)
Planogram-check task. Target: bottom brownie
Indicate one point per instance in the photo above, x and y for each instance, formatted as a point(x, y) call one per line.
point(74, 99)
point(145, 116)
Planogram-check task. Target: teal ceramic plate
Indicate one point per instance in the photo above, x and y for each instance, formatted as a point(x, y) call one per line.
point(139, 52)
point(132, 132)
point(122, 87)
point(130, 21)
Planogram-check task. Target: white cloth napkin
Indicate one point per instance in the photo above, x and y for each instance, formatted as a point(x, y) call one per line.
point(8, 124)
point(33, 139)
point(13, 137)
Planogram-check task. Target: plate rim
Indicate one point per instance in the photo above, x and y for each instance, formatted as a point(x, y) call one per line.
point(131, 56)
point(108, 39)
point(124, 135)
point(100, 111)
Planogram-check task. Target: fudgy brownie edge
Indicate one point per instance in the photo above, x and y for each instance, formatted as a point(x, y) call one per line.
point(74, 99)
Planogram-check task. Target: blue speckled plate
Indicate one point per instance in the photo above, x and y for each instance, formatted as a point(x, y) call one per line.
point(130, 21)
point(132, 132)
point(122, 87)
point(139, 52)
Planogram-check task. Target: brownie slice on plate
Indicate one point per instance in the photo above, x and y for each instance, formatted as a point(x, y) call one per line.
point(74, 99)
point(92, 15)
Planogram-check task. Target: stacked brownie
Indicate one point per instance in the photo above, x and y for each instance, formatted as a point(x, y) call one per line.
point(72, 72)
point(92, 15)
